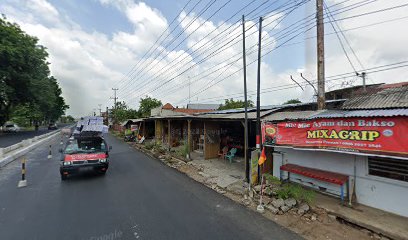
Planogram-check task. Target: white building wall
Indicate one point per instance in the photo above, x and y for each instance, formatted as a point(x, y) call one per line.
point(382, 193)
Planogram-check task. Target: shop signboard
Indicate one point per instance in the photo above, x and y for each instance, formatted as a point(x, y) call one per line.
point(380, 135)
point(268, 133)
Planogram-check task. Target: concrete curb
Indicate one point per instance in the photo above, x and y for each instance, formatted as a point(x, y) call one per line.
point(17, 150)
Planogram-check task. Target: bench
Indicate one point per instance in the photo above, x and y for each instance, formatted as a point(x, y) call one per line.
point(325, 176)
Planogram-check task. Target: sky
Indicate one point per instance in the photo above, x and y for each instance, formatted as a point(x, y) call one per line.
point(171, 50)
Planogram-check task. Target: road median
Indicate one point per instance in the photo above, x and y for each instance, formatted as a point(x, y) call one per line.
point(13, 152)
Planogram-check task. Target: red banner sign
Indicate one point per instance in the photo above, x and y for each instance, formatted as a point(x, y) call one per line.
point(381, 135)
point(80, 157)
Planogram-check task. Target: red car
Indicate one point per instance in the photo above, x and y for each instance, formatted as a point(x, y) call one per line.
point(88, 153)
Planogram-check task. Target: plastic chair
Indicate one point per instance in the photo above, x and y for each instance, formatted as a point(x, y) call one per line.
point(223, 152)
point(231, 154)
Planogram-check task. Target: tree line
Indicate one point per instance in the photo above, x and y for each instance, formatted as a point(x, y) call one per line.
point(121, 111)
point(28, 92)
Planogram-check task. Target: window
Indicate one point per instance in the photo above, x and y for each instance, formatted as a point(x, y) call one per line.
point(388, 168)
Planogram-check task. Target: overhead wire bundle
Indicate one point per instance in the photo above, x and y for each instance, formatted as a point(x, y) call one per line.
point(146, 78)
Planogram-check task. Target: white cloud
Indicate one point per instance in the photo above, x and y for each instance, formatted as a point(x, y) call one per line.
point(86, 64)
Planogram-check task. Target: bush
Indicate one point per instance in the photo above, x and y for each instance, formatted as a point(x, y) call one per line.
point(182, 151)
point(150, 145)
point(155, 146)
point(297, 192)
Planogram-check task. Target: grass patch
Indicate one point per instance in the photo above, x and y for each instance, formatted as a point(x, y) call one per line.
point(297, 192)
point(271, 179)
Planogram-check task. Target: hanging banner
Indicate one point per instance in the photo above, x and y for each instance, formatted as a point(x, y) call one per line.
point(387, 135)
point(268, 133)
point(134, 128)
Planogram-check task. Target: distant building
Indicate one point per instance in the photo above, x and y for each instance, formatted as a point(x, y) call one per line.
point(170, 110)
point(203, 106)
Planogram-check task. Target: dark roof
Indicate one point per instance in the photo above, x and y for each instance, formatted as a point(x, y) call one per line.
point(392, 97)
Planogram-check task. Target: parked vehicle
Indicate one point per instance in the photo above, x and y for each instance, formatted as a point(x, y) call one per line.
point(130, 138)
point(11, 127)
point(52, 126)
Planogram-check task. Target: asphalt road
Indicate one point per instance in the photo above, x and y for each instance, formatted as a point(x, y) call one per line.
point(138, 198)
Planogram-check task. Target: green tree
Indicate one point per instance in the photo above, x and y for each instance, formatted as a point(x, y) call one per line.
point(25, 81)
point(292, 101)
point(232, 104)
point(122, 112)
point(147, 104)
point(119, 112)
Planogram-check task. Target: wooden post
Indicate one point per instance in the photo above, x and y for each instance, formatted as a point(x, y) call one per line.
point(144, 129)
point(205, 132)
point(169, 133)
point(155, 130)
point(189, 135)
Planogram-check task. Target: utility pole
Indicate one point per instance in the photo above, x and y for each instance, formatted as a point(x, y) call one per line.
point(100, 110)
point(258, 90)
point(321, 100)
point(107, 116)
point(114, 98)
point(189, 90)
point(247, 164)
point(363, 76)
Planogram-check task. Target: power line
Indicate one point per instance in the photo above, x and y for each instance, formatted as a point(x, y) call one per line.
point(274, 49)
point(338, 37)
point(359, 15)
point(143, 70)
point(328, 79)
point(169, 34)
point(191, 22)
point(157, 40)
point(213, 53)
point(344, 36)
point(312, 14)
point(220, 38)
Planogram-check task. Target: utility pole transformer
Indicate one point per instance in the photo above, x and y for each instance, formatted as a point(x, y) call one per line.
point(321, 100)
point(114, 98)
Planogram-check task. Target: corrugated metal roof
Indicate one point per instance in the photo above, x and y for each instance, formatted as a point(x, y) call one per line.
point(362, 113)
point(388, 98)
point(239, 115)
point(308, 115)
point(280, 116)
point(271, 107)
